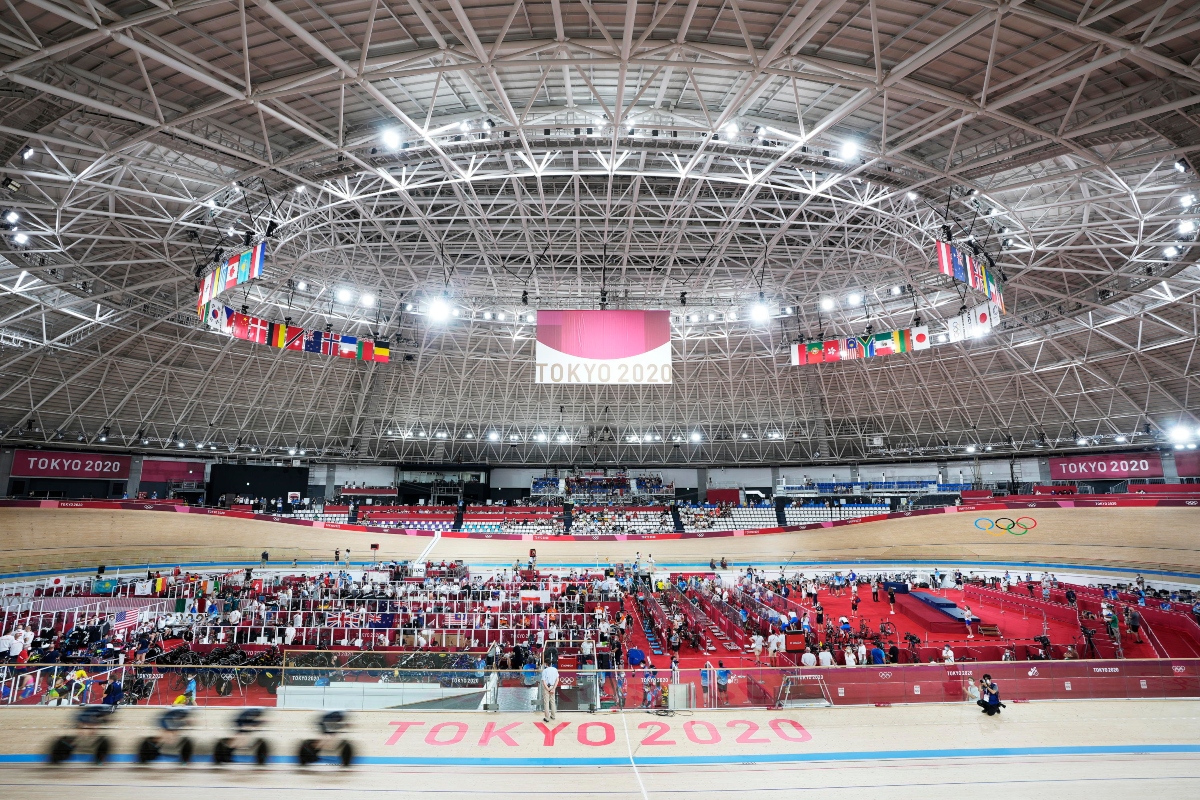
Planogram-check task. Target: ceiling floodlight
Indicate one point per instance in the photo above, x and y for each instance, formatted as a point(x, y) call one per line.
point(468, 435)
point(28, 154)
point(712, 317)
point(541, 437)
point(896, 291)
point(760, 313)
point(911, 195)
point(502, 316)
point(368, 300)
point(301, 189)
point(849, 150)
point(693, 318)
point(827, 304)
point(1180, 165)
point(1186, 227)
point(1121, 439)
point(731, 129)
point(302, 285)
point(562, 437)
point(12, 218)
point(695, 437)
point(1180, 434)
point(1187, 200)
point(970, 448)
point(439, 310)
point(487, 315)
point(514, 438)
point(464, 126)
point(20, 238)
point(854, 299)
point(1081, 441)
point(391, 138)
point(1170, 252)
point(344, 295)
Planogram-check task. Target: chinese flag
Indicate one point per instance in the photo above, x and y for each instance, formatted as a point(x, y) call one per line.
point(241, 326)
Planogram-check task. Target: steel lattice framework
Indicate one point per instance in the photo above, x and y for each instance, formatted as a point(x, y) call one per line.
point(563, 154)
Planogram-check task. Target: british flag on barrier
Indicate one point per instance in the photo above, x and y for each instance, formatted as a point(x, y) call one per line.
point(125, 620)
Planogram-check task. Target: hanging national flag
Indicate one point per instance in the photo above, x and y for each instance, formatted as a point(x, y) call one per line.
point(295, 338)
point(814, 353)
point(348, 346)
point(277, 335)
point(331, 344)
point(124, 620)
point(241, 325)
point(797, 351)
point(833, 350)
point(885, 344)
point(945, 259)
point(958, 265)
point(851, 348)
point(920, 337)
point(203, 298)
point(243, 268)
point(383, 351)
point(258, 256)
point(313, 341)
point(366, 350)
point(231, 270)
point(257, 330)
point(867, 345)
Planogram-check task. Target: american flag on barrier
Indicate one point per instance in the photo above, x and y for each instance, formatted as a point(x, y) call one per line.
point(125, 620)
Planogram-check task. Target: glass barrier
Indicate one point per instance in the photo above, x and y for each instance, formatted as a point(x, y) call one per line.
point(438, 681)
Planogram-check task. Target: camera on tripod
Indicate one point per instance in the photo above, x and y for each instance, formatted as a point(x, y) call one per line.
point(912, 638)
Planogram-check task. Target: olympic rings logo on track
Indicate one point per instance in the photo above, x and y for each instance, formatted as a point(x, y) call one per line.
point(1002, 525)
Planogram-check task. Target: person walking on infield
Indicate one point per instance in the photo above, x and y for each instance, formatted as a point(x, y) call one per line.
point(549, 687)
point(891, 590)
point(967, 617)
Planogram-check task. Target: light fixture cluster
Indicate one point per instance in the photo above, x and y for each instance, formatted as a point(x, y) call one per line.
point(1183, 437)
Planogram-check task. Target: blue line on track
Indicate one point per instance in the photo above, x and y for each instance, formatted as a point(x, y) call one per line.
point(853, 755)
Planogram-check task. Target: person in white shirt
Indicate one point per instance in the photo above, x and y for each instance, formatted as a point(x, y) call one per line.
point(289, 635)
point(851, 661)
point(6, 643)
point(862, 652)
point(235, 617)
point(947, 655)
point(808, 659)
point(549, 689)
point(756, 646)
point(17, 645)
point(825, 659)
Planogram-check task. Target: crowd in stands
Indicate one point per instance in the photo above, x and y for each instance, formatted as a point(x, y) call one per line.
point(616, 519)
point(707, 517)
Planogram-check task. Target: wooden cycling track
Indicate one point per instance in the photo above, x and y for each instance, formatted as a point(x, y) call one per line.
point(1152, 540)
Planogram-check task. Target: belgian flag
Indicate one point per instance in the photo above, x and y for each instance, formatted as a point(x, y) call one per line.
point(383, 351)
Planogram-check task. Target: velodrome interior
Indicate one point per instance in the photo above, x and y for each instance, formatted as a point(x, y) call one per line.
point(681, 399)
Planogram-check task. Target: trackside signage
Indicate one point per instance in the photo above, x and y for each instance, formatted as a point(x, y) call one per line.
point(1131, 465)
point(44, 464)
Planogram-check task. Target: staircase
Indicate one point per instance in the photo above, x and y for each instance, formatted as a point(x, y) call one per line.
point(780, 516)
point(676, 519)
point(458, 518)
point(567, 518)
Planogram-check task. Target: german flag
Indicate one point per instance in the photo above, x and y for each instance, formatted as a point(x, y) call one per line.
point(383, 351)
point(277, 335)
